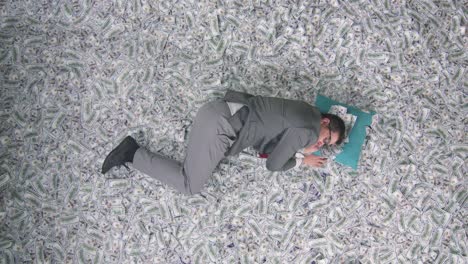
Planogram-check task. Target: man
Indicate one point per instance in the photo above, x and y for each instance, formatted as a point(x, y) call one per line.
point(277, 128)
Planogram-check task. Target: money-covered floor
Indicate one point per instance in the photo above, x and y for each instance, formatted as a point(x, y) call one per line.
point(78, 76)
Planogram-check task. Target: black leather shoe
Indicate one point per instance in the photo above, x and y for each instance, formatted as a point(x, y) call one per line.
point(124, 152)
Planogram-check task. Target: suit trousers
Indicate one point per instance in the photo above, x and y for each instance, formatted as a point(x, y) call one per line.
point(209, 139)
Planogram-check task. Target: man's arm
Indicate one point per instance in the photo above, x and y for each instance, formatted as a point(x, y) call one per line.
point(311, 149)
point(283, 156)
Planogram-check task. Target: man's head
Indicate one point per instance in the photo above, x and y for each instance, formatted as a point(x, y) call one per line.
point(332, 130)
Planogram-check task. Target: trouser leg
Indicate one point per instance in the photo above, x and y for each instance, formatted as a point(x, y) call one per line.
point(209, 138)
point(161, 168)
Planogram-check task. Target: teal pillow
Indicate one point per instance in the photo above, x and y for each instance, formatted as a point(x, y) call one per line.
point(349, 156)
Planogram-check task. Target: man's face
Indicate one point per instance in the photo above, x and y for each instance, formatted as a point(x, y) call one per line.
point(326, 137)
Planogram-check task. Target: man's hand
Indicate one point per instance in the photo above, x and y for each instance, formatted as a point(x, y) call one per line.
point(311, 148)
point(314, 161)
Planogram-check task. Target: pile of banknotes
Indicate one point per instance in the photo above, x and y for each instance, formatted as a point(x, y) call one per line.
point(78, 76)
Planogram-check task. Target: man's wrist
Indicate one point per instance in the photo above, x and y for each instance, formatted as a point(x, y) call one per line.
point(299, 159)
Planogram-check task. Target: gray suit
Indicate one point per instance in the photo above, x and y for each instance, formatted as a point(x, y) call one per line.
point(274, 126)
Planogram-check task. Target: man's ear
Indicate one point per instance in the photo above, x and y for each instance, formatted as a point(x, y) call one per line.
point(325, 121)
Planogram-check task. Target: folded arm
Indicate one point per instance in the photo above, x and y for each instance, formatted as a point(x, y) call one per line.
point(283, 156)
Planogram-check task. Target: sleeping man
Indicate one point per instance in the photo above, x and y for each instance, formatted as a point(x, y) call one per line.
point(275, 127)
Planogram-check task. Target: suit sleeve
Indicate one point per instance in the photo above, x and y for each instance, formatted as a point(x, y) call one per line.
point(283, 156)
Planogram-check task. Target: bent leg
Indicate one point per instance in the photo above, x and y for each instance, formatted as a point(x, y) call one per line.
point(165, 169)
point(209, 138)
point(207, 147)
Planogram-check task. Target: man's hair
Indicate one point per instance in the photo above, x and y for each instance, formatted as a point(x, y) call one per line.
point(336, 125)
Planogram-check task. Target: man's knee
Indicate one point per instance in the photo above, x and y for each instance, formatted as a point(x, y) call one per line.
point(192, 190)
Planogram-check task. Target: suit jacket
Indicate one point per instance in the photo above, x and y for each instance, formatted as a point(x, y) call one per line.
point(275, 126)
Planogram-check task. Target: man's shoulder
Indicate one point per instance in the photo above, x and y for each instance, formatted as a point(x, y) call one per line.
point(302, 114)
point(237, 97)
point(292, 106)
